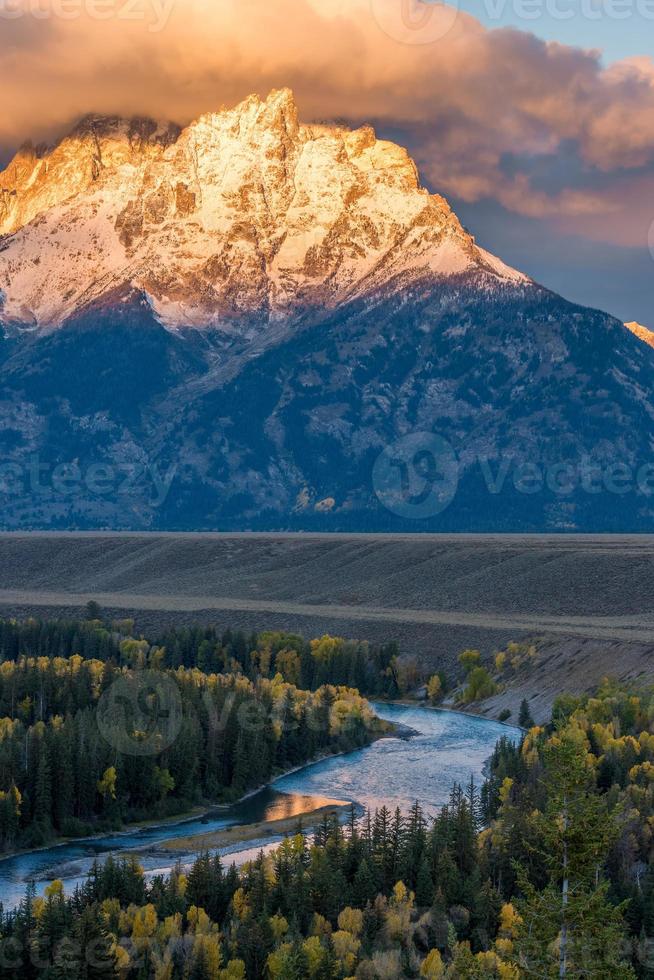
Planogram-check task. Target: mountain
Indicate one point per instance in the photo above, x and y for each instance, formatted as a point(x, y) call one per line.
point(244, 214)
point(254, 323)
point(643, 333)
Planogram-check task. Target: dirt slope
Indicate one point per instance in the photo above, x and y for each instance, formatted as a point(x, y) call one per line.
point(589, 600)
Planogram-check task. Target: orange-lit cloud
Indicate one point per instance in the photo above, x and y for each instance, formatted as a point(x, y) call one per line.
point(476, 105)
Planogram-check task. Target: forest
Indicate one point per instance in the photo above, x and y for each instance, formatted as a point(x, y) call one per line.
point(376, 671)
point(545, 871)
point(69, 767)
point(250, 707)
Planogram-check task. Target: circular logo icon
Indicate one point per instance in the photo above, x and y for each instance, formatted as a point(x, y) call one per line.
point(415, 21)
point(141, 713)
point(417, 477)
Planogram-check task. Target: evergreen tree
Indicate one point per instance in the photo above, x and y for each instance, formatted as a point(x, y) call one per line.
point(364, 887)
point(92, 936)
point(200, 969)
point(569, 928)
point(43, 788)
point(93, 610)
point(524, 717)
point(424, 885)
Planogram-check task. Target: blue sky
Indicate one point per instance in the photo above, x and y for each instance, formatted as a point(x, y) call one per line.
point(627, 35)
point(593, 272)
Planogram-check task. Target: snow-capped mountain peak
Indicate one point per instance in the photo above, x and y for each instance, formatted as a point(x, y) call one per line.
point(643, 333)
point(245, 212)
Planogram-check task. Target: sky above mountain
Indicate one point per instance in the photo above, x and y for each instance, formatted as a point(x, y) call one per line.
point(538, 126)
point(617, 29)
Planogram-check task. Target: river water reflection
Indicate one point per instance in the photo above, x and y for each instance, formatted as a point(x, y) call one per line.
point(447, 748)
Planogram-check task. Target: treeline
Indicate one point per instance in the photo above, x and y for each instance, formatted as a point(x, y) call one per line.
point(526, 879)
point(87, 745)
point(90, 639)
point(375, 670)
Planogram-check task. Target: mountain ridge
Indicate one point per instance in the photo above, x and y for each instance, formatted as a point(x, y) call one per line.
point(238, 322)
point(242, 212)
point(643, 333)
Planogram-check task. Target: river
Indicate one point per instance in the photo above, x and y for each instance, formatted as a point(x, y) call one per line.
point(448, 748)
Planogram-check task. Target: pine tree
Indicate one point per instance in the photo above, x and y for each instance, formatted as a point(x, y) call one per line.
point(328, 968)
point(200, 965)
point(52, 923)
point(294, 965)
point(570, 928)
point(198, 888)
point(43, 788)
point(364, 887)
point(18, 954)
point(93, 610)
point(242, 767)
point(448, 879)
point(424, 885)
point(524, 718)
point(101, 962)
point(474, 802)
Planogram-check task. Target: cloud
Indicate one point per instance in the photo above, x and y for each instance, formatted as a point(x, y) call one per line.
point(484, 112)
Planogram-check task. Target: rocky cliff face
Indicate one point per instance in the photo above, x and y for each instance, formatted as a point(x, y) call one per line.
point(243, 213)
point(232, 324)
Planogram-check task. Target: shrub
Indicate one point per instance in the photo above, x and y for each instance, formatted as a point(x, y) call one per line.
point(435, 689)
point(470, 659)
point(480, 685)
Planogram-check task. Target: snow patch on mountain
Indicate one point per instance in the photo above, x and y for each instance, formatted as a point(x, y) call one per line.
point(244, 213)
point(643, 333)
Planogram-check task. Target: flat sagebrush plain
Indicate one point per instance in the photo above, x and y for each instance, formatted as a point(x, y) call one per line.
point(435, 594)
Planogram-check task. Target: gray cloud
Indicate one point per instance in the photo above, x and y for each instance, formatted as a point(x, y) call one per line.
point(468, 101)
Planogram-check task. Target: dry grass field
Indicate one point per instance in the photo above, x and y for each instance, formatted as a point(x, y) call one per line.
point(588, 600)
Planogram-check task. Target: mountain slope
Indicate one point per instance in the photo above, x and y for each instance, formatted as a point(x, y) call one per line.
point(231, 324)
point(643, 333)
point(244, 213)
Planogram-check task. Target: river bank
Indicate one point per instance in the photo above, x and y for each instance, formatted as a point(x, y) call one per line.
point(204, 811)
point(446, 748)
point(174, 820)
point(474, 710)
point(263, 830)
